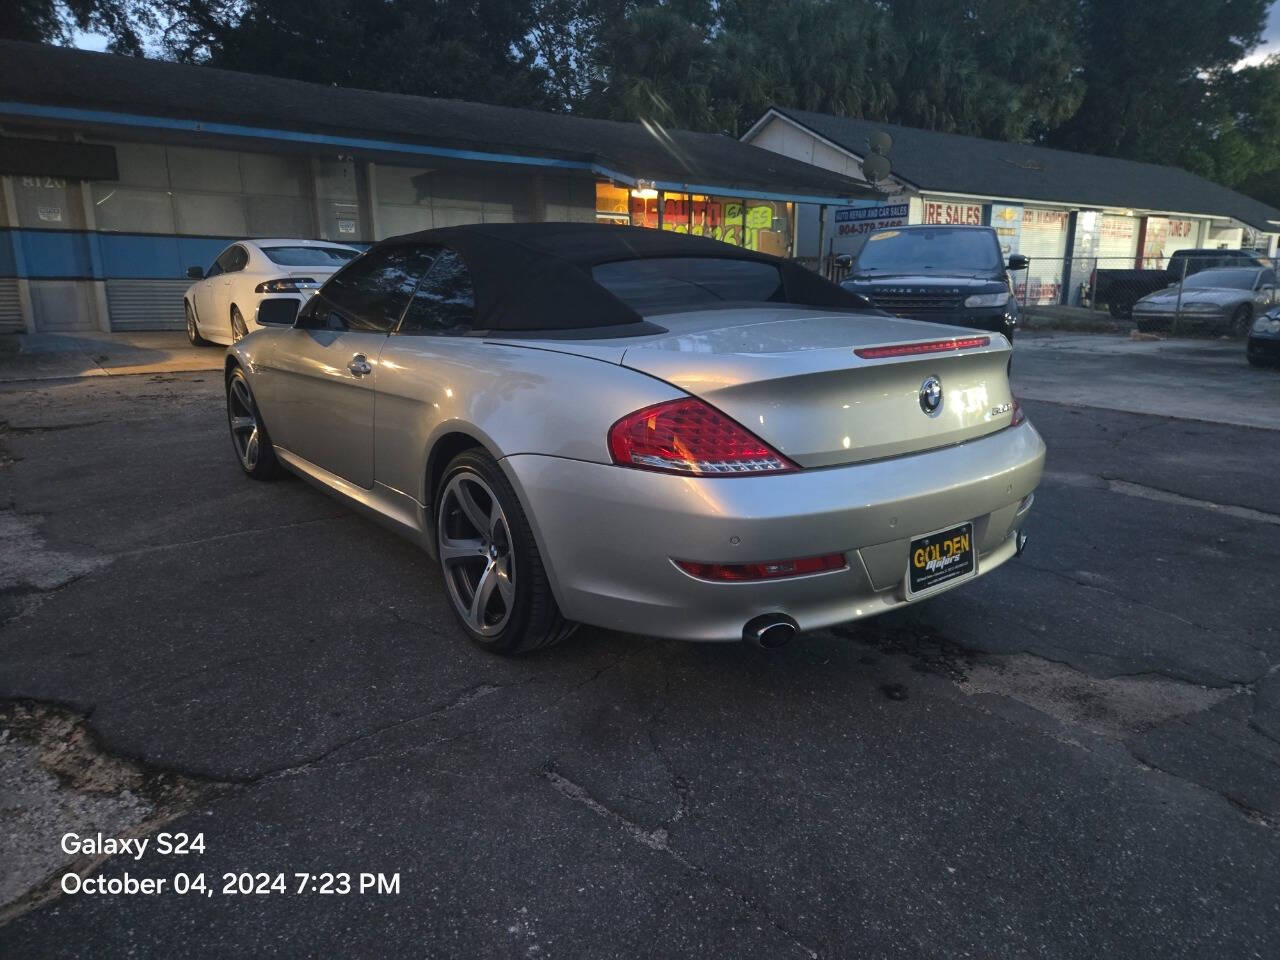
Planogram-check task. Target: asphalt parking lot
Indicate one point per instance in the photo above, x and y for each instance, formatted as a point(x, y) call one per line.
point(1077, 756)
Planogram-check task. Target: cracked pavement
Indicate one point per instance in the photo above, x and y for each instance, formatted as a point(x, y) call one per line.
point(1077, 756)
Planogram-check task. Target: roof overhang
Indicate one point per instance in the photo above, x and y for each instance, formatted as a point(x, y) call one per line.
point(368, 145)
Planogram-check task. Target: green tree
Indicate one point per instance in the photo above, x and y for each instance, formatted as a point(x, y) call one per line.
point(448, 48)
point(1152, 72)
point(54, 21)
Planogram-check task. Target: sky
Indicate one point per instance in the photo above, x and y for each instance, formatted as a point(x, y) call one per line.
point(1270, 39)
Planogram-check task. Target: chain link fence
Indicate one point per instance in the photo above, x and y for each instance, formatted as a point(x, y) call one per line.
point(1218, 293)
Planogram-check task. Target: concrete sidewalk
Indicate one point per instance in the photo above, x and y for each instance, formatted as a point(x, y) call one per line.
point(59, 356)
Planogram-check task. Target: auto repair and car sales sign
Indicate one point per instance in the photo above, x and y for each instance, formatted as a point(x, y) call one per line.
point(852, 221)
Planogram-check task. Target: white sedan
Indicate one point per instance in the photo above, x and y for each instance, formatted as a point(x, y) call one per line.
point(256, 283)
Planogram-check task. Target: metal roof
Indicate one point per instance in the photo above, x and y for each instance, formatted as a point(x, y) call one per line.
point(80, 87)
point(952, 163)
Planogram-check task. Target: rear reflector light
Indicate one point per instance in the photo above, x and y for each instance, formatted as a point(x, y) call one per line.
point(687, 436)
point(914, 349)
point(1019, 415)
point(286, 285)
point(773, 570)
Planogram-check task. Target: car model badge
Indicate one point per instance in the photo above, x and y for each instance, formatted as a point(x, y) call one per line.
point(931, 396)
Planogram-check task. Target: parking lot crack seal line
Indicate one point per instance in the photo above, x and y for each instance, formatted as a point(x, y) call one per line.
point(1252, 815)
point(465, 698)
point(1147, 492)
point(659, 841)
point(230, 535)
point(319, 763)
point(1062, 575)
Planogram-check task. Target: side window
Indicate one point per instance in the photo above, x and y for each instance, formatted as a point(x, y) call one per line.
point(371, 291)
point(232, 259)
point(445, 300)
point(1267, 278)
point(214, 270)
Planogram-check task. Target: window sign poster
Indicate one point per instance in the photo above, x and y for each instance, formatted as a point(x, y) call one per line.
point(1006, 220)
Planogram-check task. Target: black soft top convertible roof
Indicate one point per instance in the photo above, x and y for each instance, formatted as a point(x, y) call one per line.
point(537, 276)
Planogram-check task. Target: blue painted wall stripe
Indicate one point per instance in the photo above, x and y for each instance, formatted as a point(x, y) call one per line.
point(102, 256)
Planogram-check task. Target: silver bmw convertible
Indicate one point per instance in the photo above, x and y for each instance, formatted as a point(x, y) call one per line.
point(643, 431)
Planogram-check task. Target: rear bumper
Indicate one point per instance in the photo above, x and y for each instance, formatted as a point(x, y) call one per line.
point(608, 534)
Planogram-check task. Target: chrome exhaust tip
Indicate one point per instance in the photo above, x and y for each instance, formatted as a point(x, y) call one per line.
point(769, 631)
point(1021, 542)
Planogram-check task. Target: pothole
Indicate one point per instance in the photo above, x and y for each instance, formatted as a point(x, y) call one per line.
point(1115, 707)
point(54, 780)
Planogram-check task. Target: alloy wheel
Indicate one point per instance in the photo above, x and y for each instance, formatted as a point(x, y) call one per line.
point(244, 423)
point(474, 543)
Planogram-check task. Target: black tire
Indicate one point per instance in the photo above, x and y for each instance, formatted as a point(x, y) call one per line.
point(1120, 311)
point(250, 441)
point(532, 620)
point(193, 328)
point(1144, 326)
point(1241, 320)
point(239, 329)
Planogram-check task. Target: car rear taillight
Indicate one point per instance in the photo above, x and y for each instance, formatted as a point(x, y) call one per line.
point(286, 285)
point(929, 346)
point(772, 570)
point(1019, 415)
point(688, 436)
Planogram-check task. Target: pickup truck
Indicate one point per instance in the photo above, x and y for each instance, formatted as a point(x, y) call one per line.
point(943, 274)
point(1121, 289)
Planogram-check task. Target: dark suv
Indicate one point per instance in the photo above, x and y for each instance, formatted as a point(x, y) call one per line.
point(944, 274)
point(1197, 260)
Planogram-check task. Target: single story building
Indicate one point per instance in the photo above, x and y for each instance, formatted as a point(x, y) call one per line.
point(117, 173)
point(1068, 212)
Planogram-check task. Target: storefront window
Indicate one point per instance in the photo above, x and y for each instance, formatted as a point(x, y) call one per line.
point(613, 204)
point(763, 225)
point(1164, 237)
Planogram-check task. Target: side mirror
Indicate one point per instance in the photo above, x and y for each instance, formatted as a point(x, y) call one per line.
point(844, 261)
point(1018, 262)
point(195, 273)
point(304, 314)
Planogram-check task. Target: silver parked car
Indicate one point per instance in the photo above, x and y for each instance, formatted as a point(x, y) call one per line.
point(643, 431)
point(1222, 298)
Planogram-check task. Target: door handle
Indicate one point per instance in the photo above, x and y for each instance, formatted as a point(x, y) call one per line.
point(359, 366)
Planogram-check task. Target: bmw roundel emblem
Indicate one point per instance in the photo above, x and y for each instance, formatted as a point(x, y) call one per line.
point(931, 396)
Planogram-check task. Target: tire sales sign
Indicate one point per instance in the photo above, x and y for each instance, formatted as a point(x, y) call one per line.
point(965, 214)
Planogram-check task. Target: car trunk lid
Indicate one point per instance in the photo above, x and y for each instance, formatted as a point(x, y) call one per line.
point(795, 379)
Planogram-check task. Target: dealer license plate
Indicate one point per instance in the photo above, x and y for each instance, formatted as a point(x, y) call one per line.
point(939, 558)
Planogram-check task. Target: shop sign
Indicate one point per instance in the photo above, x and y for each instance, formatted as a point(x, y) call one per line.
point(964, 214)
point(853, 221)
point(1006, 220)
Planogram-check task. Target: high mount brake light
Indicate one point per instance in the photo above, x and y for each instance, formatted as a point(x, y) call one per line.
point(688, 436)
point(772, 570)
point(915, 349)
